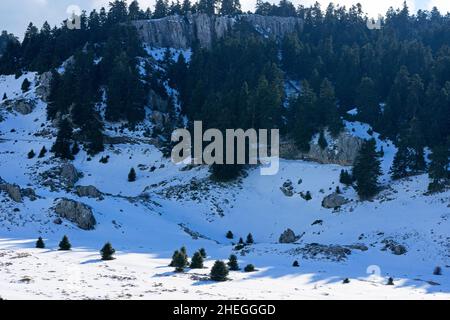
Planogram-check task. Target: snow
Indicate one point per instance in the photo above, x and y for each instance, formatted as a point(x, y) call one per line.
point(183, 207)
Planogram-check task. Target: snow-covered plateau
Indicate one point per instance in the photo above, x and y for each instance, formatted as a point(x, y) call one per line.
point(403, 233)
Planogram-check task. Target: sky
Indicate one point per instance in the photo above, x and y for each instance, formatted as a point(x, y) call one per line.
point(16, 14)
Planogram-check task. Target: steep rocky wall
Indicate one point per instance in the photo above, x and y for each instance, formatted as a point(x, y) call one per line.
point(341, 150)
point(182, 31)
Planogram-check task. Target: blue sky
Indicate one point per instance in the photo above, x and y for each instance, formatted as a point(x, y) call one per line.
point(16, 14)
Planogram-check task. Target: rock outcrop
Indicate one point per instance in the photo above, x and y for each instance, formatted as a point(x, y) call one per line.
point(341, 150)
point(181, 32)
point(43, 87)
point(69, 174)
point(15, 192)
point(334, 201)
point(22, 106)
point(88, 191)
point(77, 213)
point(288, 237)
point(287, 189)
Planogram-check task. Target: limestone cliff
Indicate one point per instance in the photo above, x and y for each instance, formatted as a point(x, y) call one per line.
point(181, 32)
point(341, 150)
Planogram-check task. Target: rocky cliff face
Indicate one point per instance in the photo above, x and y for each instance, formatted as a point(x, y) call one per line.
point(341, 150)
point(181, 32)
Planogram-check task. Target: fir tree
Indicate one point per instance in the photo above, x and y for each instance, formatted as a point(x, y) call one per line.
point(40, 243)
point(25, 85)
point(203, 253)
point(31, 154)
point(132, 175)
point(323, 144)
point(229, 7)
point(219, 271)
point(179, 261)
point(65, 245)
point(75, 148)
point(161, 9)
point(345, 178)
point(4, 96)
point(366, 170)
point(61, 147)
point(230, 235)
point(197, 261)
point(107, 252)
point(400, 164)
point(296, 264)
point(439, 170)
point(42, 153)
point(233, 264)
point(249, 268)
point(250, 239)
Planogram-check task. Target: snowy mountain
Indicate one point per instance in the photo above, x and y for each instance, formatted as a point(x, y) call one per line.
point(403, 233)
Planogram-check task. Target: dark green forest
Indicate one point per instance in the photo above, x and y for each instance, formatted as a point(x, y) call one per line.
point(397, 76)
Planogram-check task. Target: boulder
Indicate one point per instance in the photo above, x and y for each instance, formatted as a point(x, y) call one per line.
point(43, 88)
point(22, 106)
point(69, 174)
point(288, 236)
point(287, 189)
point(88, 191)
point(396, 248)
point(13, 191)
point(334, 201)
point(77, 213)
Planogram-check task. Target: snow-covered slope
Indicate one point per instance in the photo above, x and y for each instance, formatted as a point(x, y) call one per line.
point(170, 206)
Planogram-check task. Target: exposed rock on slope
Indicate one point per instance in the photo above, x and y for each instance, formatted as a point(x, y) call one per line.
point(15, 192)
point(334, 201)
point(88, 191)
point(288, 237)
point(182, 31)
point(22, 106)
point(341, 150)
point(76, 212)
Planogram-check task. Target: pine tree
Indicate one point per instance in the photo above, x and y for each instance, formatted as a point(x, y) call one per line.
point(229, 7)
point(367, 169)
point(346, 178)
point(249, 268)
point(179, 261)
point(400, 164)
point(161, 9)
point(233, 264)
point(203, 253)
point(25, 85)
point(43, 152)
point(107, 252)
point(250, 239)
point(219, 271)
point(61, 147)
point(175, 253)
point(40, 243)
point(4, 96)
point(75, 148)
point(439, 170)
point(230, 235)
point(296, 264)
point(368, 102)
point(197, 261)
point(186, 7)
point(323, 144)
point(31, 154)
point(132, 175)
point(207, 6)
point(65, 245)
